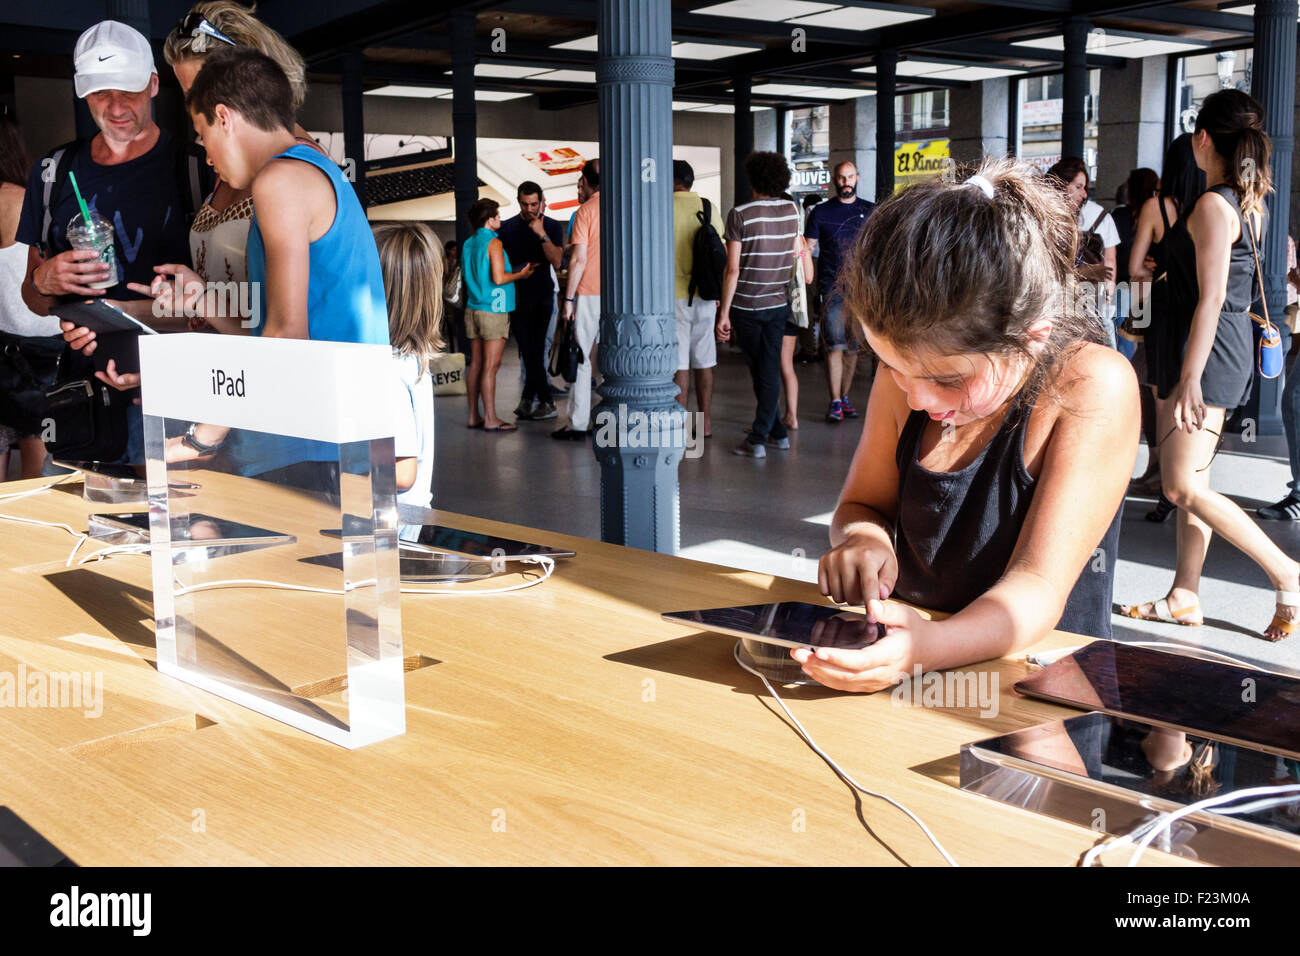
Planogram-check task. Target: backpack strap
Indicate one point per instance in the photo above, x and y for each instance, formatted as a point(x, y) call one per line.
point(188, 179)
point(703, 215)
point(54, 168)
point(1095, 223)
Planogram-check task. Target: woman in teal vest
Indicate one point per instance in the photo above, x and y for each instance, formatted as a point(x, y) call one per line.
point(490, 298)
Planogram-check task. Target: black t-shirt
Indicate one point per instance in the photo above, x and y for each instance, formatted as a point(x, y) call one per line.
point(835, 225)
point(143, 200)
point(522, 245)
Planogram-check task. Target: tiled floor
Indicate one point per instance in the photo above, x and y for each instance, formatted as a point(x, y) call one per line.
point(771, 515)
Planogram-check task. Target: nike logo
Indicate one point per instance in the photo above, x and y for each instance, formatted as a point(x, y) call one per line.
point(103, 58)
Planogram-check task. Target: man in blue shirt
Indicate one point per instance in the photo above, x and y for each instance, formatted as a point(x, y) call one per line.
point(534, 237)
point(831, 229)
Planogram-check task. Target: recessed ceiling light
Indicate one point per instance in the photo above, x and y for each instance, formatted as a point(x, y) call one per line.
point(765, 9)
point(979, 73)
point(417, 92)
point(861, 18)
point(699, 50)
point(813, 92)
point(582, 43)
point(508, 72)
point(566, 76)
point(1117, 44)
point(490, 96)
point(727, 108)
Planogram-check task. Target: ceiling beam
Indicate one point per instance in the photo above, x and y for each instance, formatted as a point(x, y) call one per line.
point(1204, 19)
point(1009, 51)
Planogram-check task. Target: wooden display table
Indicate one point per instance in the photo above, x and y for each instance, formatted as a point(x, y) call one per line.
point(565, 723)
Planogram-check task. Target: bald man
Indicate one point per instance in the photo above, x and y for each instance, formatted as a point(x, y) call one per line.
point(830, 230)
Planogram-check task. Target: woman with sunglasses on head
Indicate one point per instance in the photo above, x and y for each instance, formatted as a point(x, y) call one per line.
point(219, 233)
point(1212, 263)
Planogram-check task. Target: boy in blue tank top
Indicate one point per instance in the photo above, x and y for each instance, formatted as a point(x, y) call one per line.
point(311, 254)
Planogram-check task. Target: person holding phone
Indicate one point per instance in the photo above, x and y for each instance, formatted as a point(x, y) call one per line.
point(490, 291)
point(998, 442)
point(536, 238)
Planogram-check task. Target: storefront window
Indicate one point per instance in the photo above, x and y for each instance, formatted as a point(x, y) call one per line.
point(1038, 127)
point(1196, 77)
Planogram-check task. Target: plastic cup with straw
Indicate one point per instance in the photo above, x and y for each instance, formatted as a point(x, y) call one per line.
point(90, 231)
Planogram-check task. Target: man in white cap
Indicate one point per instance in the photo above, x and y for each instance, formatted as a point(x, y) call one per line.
point(132, 174)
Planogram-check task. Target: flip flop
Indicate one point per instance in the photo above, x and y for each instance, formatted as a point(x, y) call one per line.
point(479, 425)
point(503, 427)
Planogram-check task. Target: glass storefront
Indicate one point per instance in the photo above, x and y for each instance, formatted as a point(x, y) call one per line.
point(1196, 77)
point(1038, 120)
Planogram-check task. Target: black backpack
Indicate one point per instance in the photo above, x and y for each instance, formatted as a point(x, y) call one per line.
point(708, 259)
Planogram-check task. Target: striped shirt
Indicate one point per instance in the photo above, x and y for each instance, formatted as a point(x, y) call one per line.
point(767, 230)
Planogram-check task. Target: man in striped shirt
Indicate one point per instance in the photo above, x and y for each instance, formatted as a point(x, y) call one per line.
point(762, 238)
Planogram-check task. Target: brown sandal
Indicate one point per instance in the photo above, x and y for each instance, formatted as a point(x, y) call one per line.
point(1285, 599)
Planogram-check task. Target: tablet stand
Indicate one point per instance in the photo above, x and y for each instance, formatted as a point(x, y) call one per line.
point(308, 432)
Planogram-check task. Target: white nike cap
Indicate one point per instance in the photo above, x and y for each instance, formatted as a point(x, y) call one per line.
point(112, 56)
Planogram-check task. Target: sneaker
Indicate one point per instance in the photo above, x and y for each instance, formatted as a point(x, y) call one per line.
point(568, 434)
point(524, 411)
point(1288, 509)
point(847, 407)
point(543, 411)
point(835, 414)
point(746, 450)
point(559, 391)
point(781, 443)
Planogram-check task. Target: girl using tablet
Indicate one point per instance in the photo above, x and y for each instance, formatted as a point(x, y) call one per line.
point(998, 440)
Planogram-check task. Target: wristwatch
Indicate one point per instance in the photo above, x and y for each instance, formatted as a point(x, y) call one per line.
point(189, 439)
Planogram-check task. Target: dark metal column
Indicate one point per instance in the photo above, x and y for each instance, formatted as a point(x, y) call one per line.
point(639, 429)
point(1273, 82)
point(464, 118)
point(354, 124)
point(743, 137)
point(1074, 86)
point(886, 93)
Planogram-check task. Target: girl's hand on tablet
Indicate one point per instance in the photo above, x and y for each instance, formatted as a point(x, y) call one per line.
point(861, 569)
point(873, 668)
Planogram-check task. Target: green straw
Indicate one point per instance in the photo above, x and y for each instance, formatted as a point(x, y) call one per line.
point(85, 213)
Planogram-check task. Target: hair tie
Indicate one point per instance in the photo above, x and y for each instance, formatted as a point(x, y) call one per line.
point(982, 184)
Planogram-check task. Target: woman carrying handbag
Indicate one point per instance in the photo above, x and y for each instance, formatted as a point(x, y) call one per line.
point(1219, 361)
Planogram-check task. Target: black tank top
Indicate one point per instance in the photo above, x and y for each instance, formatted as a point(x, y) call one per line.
point(956, 531)
point(1179, 255)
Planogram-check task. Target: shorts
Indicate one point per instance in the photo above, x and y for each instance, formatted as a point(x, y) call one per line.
point(791, 329)
point(486, 325)
point(697, 346)
point(833, 327)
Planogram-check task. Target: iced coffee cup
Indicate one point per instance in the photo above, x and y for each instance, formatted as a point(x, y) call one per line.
point(97, 234)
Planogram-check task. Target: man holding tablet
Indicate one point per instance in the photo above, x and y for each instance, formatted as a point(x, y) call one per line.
point(131, 174)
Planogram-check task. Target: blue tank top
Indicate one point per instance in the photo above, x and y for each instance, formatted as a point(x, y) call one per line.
point(345, 303)
point(345, 288)
point(482, 292)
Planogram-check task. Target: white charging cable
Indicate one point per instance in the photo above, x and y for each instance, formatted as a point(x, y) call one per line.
point(1143, 836)
point(547, 563)
point(807, 738)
